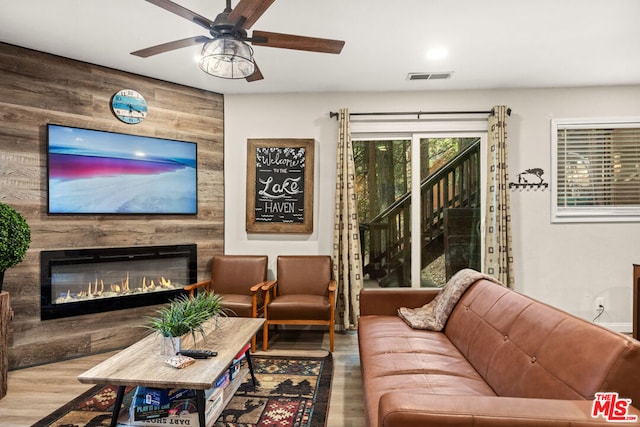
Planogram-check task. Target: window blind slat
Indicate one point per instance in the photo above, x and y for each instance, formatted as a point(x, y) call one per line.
point(598, 166)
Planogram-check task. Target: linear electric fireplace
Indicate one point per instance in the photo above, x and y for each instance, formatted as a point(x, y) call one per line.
point(84, 281)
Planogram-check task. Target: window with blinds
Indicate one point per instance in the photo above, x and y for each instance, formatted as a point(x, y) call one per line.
point(595, 170)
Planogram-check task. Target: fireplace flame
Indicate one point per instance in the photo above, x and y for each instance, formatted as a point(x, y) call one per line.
point(98, 289)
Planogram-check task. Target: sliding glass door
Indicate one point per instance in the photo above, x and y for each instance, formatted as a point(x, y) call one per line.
point(419, 213)
point(383, 185)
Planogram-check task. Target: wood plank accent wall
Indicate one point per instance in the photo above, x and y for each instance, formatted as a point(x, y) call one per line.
point(37, 88)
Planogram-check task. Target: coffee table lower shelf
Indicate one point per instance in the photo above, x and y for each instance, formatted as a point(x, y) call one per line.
point(212, 410)
point(141, 364)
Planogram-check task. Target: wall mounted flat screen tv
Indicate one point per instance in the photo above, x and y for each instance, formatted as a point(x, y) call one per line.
point(98, 172)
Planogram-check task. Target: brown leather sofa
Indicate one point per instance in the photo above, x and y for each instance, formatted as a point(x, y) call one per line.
point(502, 359)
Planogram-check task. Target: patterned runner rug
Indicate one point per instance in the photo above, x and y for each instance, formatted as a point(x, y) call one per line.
point(291, 392)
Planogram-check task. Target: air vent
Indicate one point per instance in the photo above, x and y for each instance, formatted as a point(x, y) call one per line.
point(429, 76)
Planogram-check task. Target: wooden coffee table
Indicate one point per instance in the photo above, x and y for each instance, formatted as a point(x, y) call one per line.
point(142, 364)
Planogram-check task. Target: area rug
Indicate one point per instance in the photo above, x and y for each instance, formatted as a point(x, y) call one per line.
point(290, 392)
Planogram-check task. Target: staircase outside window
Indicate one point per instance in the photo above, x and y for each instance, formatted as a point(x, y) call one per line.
point(449, 209)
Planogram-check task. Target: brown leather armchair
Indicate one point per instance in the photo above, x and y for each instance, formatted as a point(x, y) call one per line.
point(238, 279)
point(303, 294)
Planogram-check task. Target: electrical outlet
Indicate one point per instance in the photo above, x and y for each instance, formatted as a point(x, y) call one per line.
point(599, 304)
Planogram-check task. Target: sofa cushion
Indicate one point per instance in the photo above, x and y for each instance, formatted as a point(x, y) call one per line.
point(395, 357)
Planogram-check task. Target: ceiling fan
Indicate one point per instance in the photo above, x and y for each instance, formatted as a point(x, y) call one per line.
point(225, 53)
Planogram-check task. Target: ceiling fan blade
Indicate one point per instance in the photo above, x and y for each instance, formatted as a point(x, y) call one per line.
point(289, 41)
point(257, 74)
point(251, 10)
point(166, 47)
point(184, 12)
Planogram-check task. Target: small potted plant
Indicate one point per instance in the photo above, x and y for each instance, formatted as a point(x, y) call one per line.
point(15, 238)
point(185, 316)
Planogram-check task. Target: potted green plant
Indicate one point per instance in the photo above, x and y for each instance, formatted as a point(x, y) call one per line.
point(15, 238)
point(186, 315)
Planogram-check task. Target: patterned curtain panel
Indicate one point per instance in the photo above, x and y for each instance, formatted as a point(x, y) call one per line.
point(498, 255)
point(347, 258)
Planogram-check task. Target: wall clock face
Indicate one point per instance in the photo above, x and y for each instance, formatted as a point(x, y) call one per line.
point(129, 106)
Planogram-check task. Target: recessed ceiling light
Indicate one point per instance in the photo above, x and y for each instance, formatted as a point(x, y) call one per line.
point(437, 54)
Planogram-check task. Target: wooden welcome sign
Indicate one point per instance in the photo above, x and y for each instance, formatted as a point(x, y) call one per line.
point(280, 185)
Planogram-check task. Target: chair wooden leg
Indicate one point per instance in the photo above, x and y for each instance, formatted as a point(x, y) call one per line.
point(254, 315)
point(265, 336)
point(331, 337)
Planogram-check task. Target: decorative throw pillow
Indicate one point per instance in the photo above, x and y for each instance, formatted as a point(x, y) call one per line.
point(433, 316)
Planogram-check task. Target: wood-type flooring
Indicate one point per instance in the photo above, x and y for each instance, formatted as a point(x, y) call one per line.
point(37, 391)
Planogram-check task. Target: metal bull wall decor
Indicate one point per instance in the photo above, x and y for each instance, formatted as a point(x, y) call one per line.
point(530, 178)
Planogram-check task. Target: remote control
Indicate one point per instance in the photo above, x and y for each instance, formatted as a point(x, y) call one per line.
point(198, 354)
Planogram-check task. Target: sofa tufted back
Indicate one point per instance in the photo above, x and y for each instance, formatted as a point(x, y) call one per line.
point(524, 348)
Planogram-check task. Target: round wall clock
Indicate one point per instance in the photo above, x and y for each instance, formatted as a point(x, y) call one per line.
point(129, 106)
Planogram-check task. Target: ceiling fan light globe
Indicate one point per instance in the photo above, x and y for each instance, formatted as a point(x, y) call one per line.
point(227, 58)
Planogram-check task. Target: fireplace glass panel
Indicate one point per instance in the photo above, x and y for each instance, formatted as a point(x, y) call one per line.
point(82, 281)
point(79, 282)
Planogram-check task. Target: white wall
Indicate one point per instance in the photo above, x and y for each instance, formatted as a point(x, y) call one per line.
point(566, 265)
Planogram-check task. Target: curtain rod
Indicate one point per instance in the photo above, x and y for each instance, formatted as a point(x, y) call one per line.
point(417, 113)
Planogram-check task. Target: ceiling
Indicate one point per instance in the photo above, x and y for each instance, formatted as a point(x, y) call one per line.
point(490, 43)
